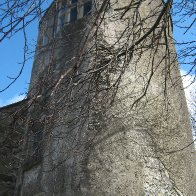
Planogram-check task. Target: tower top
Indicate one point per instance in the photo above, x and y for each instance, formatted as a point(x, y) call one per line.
point(61, 26)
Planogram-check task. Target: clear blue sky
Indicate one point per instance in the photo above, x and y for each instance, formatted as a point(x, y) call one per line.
point(11, 55)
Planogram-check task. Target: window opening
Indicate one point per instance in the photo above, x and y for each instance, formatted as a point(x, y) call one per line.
point(62, 20)
point(73, 14)
point(64, 7)
point(87, 8)
point(74, 1)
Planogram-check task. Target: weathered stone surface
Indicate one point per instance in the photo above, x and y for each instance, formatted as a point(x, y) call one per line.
point(92, 146)
point(12, 122)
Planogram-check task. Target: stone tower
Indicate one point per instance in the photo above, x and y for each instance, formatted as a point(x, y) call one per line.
point(107, 114)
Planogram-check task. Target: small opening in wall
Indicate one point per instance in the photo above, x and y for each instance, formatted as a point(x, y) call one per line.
point(73, 14)
point(87, 8)
point(74, 1)
point(64, 7)
point(62, 20)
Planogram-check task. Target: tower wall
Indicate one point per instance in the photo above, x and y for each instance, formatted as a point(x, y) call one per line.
point(113, 123)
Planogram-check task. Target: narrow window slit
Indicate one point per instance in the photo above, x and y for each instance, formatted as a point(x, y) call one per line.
point(87, 8)
point(73, 14)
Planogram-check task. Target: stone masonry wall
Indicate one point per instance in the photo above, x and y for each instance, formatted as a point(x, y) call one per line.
point(99, 141)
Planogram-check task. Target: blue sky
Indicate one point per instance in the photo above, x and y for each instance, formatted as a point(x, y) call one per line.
point(11, 55)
